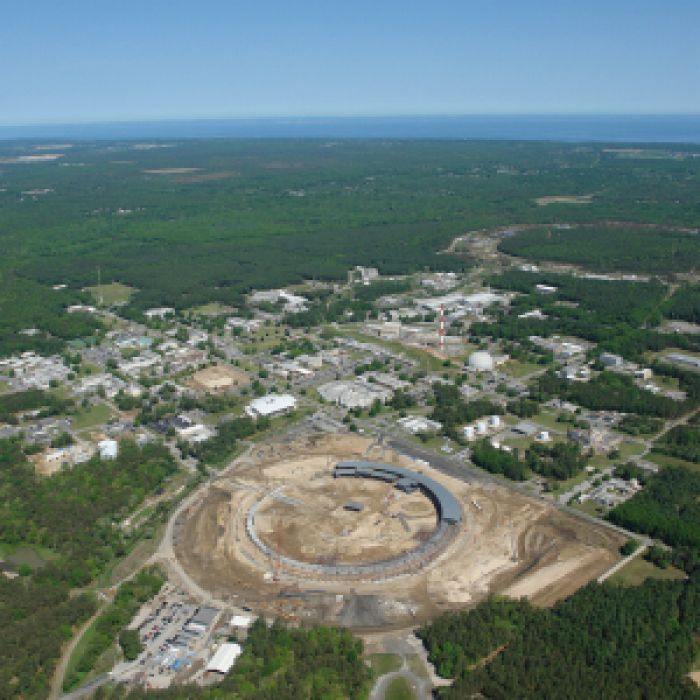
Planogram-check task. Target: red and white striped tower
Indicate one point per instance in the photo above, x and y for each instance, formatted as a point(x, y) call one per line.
point(441, 330)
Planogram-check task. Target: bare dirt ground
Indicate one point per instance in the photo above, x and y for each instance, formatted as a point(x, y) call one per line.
point(506, 542)
point(218, 378)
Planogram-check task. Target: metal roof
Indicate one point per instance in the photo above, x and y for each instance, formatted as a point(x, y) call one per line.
point(204, 616)
point(224, 658)
point(445, 502)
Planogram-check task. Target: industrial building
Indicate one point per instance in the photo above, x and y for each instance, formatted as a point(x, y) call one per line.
point(480, 361)
point(407, 480)
point(271, 405)
point(354, 394)
point(202, 620)
point(224, 658)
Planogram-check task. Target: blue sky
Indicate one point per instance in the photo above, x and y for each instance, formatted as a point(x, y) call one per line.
point(102, 60)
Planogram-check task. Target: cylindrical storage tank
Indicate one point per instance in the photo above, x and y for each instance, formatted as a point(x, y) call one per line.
point(495, 421)
point(481, 427)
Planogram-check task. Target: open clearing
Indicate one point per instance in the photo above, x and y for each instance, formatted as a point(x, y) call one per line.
point(564, 199)
point(639, 570)
point(113, 293)
point(171, 171)
point(506, 543)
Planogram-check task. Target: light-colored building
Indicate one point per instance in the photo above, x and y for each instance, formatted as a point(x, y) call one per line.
point(354, 394)
point(108, 449)
point(159, 312)
point(480, 361)
point(271, 405)
point(419, 424)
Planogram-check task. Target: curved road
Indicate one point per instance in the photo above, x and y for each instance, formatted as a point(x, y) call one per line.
point(422, 687)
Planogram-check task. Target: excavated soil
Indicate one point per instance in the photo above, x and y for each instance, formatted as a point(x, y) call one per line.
point(506, 543)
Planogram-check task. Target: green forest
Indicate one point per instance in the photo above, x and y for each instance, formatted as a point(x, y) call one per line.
point(633, 248)
point(74, 516)
point(667, 509)
point(252, 213)
point(605, 641)
point(280, 663)
point(620, 316)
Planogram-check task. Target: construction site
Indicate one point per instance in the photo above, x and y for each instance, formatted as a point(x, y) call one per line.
point(337, 529)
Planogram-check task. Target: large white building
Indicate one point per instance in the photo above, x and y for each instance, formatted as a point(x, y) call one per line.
point(271, 405)
point(354, 394)
point(224, 658)
point(481, 361)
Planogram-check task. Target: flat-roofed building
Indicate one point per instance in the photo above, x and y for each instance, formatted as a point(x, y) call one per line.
point(271, 405)
point(224, 658)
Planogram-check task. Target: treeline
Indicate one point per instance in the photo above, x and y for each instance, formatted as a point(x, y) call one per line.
point(684, 304)
point(618, 316)
point(611, 391)
point(128, 599)
point(634, 248)
point(452, 410)
point(280, 663)
point(75, 512)
point(38, 615)
point(228, 434)
point(25, 305)
point(668, 508)
point(458, 641)
point(682, 441)
point(560, 461)
point(33, 399)
point(76, 515)
point(640, 425)
point(496, 461)
point(605, 641)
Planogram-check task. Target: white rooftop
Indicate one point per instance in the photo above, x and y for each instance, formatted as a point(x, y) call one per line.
point(224, 658)
point(271, 404)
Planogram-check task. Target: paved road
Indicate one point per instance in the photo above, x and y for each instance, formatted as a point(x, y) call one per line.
point(623, 562)
point(61, 667)
point(471, 474)
point(88, 688)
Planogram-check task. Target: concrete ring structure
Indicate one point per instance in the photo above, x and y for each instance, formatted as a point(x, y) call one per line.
point(406, 480)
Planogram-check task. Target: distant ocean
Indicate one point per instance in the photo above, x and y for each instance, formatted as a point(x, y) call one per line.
point(570, 128)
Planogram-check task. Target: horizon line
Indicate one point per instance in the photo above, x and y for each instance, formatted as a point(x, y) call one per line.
point(346, 116)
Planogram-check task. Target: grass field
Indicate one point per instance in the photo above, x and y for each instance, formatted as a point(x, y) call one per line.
point(399, 689)
point(79, 650)
point(384, 663)
point(33, 555)
point(114, 293)
point(520, 369)
point(94, 415)
point(212, 309)
point(639, 570)
point(630, 449)
point(415, 663)
point(548, 420)
point(590, 508)
point(668, 461)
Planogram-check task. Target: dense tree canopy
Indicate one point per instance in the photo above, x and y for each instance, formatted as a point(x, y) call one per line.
point(604, 642)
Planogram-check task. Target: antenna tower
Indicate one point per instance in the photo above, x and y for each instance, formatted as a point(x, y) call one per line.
point(100, 299)
point(441, 330)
